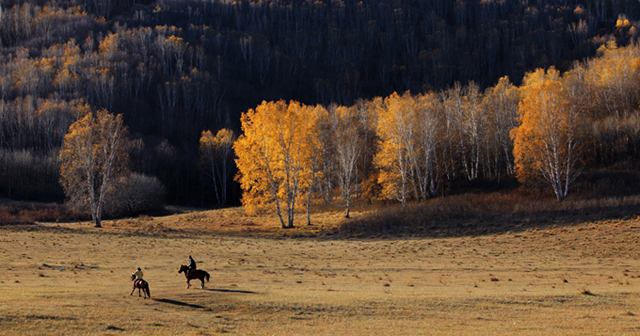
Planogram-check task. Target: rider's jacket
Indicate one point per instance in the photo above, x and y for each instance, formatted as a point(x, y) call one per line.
point(138, 275)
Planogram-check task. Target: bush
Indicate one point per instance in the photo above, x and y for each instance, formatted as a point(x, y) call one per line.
point(13, 213)
point(135, 194)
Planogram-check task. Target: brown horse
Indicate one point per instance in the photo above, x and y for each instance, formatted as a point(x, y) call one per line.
point(140, 285)
point(195, 274)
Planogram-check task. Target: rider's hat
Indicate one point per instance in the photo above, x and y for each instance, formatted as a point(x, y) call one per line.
point(139, 269)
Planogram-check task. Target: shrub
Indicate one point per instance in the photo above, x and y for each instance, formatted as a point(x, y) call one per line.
point(135, 194)
point(14, 213)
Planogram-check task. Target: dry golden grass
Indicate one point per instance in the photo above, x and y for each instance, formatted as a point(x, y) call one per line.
point(74, 279)
point(490, 213)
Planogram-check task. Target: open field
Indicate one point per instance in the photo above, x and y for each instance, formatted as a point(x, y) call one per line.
point(74, 279)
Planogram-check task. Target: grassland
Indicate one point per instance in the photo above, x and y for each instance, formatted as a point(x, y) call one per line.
point(572, 279)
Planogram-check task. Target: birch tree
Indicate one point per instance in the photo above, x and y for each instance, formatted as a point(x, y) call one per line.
point(349, 142)
point(93, 155)
point(428, 124)
point(274, 156)
point(501, 105)
point(395, 151)
point(551, 137)
point(316, 155)
point(216, 155)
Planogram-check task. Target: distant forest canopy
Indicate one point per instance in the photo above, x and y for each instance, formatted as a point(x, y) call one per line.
point(176, 68)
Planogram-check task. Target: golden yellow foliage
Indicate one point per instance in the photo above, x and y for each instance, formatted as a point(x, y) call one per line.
point(275, 154)
point(412, 131)
point(550, 139)
point(622, 22)
point(93, 154)
point(222, 138)
point(611, 81)
point(109, 46)
point(395, 126)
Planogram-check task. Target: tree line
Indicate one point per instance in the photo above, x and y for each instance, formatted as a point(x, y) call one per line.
point(413, 147)
point(173, 69)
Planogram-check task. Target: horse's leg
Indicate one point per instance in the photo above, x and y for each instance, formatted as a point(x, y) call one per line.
point(202, 285)
point(188, 283)
point(133, 290)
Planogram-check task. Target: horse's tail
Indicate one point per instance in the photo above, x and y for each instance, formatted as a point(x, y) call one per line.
point(206, 275)
point(148, 290)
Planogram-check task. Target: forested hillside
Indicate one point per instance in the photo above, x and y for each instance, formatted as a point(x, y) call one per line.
point(177, 68)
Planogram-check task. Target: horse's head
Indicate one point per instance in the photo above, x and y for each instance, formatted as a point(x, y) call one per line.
point(183, 268)
point(133, 277)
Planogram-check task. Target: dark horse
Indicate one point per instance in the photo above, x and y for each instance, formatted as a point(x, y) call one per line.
point(140, 285)
point(195, 274)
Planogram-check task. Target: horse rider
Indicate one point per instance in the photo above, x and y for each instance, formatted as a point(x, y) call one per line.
point(137, 274)
point(192, 265)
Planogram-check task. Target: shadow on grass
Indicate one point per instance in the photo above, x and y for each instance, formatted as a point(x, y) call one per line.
point(450, 216)
point(474, 215)
point(179, 303)
point(229, 291)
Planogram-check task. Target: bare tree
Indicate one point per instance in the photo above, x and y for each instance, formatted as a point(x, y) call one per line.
point(428, 125)
point(349, 146)
point(216, 157)
point(501, 105)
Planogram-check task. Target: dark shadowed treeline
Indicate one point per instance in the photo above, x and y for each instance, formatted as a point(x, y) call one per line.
point(176, 68)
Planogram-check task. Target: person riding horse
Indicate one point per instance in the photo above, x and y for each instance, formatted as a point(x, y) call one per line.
point(140, 283)
point(194, 274)
point(137, 274)
point(192, 265)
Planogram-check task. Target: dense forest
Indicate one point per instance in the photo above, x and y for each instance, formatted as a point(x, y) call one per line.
point(176, 68)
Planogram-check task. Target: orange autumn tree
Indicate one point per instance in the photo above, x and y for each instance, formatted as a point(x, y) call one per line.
point(316, 148)
point(93, 155)
point(411, 133)
point(396, 123)
point(275, 155)
point(551, 137)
